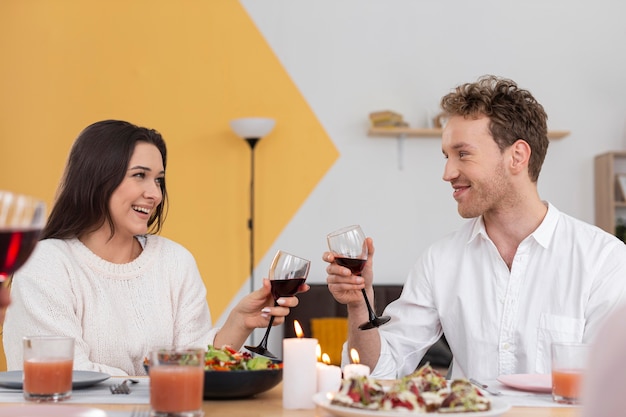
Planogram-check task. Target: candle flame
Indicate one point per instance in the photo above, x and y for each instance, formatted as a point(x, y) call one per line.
point(326, 358)
point(318, 352)
point(354, 355)
point(298, 329)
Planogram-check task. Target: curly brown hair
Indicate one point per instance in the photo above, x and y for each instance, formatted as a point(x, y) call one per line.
point(513, 112)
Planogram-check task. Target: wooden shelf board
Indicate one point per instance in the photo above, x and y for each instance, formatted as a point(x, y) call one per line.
point(434, 133)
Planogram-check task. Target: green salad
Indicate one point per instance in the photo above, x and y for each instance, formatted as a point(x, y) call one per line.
point(228, 359)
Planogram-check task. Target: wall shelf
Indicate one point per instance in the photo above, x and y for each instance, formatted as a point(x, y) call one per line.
point(400, 133)
point(410, 132)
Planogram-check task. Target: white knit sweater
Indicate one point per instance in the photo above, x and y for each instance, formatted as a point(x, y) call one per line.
point(115, 312)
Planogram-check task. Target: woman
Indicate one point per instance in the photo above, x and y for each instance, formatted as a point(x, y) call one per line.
point(100, 273)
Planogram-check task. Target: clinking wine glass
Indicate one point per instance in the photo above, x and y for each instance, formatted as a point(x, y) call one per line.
point(287, 273)
point(22, 218)
point(350, 250)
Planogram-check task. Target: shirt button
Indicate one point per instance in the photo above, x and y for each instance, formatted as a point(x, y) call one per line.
point(506, 346)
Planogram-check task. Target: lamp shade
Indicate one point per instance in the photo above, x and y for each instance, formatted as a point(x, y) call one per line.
point(252, 127)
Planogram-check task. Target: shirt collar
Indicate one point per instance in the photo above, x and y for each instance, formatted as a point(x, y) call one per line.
point(542, 235)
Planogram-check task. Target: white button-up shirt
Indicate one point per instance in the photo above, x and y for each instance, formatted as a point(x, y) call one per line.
point(564, 280)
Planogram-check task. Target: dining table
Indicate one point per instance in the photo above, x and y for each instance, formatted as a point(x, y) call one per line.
point(266, 404)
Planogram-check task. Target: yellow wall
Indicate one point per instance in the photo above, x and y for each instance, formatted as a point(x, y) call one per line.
point(185, 68)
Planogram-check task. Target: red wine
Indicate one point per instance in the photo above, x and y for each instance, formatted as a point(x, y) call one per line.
point(285, 287)
point(15, 248)
point(355, 265)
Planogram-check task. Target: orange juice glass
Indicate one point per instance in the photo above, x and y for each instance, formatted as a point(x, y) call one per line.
point(568, 369)
point(176, 382)
point(48, 364)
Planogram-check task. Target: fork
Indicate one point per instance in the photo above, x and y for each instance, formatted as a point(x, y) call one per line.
point(139, 412)
point(123, 387)
point(485, 387)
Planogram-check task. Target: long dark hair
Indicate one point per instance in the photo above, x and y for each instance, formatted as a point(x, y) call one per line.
point(96, 166)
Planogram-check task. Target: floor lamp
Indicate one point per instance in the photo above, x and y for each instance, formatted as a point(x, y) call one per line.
point(252, 129)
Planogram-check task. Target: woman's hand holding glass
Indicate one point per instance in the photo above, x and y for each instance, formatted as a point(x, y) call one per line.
point(259, 306)
point(255, 311)
point(287, 275)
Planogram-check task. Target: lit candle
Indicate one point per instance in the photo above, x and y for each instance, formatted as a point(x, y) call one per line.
point(299, 371)
point(355, 369)
point(328, 376)
point(319, 365)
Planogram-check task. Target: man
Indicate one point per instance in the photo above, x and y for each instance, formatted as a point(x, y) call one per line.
point(515, 278)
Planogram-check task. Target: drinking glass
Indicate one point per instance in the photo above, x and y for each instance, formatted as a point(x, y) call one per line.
point(350, 250)
point(48, 362)
point(21, 219)
point(176, 382)
point(287, 273)
point(569, 361)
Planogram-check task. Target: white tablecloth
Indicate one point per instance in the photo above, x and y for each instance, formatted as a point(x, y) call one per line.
point(519, 398)
point(140, 394)
point(96, 394)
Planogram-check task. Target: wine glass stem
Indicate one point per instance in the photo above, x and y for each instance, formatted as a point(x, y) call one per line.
point(267, 333)
point(370, 310)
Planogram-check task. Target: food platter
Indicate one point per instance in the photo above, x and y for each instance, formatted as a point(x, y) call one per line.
point(322, 399)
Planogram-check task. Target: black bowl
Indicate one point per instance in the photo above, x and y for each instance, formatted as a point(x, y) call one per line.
point(224, 385)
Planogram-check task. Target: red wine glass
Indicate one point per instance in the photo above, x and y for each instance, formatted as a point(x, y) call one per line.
point(21, 219)
point(287, 273)
point(350, 250)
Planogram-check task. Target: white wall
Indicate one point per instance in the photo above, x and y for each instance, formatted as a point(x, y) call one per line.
point(351, 57)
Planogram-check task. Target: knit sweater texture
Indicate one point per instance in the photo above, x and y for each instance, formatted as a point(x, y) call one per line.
point(116, 312)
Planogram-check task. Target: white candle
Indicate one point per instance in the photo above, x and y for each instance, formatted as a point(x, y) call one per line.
point(328, 376)
point(355, 369)
point(299, 371)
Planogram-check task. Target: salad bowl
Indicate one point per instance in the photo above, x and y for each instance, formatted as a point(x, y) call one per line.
point(229, 374)
point(239, 383)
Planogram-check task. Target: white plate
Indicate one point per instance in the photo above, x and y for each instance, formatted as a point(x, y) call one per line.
point(322, 399)
point(528, 382)
point(50, 410)
point(80, 379)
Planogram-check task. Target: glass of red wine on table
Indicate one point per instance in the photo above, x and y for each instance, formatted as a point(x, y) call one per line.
point(287, 273)
point(350, 250)
point(22, 218)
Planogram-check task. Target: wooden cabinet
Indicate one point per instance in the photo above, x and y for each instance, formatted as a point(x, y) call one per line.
point(610, 204)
